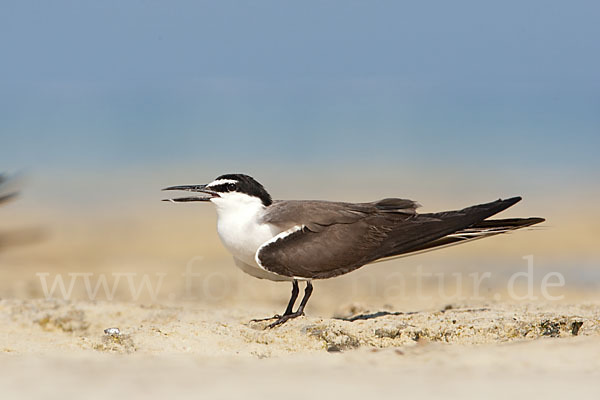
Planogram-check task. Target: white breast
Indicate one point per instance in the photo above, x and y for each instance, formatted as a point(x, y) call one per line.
point(239, 226)
point(243, 238)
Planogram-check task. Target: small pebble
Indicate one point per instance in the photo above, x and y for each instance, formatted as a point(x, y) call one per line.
point(112, 331)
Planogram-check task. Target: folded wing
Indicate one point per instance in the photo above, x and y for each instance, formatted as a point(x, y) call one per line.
point(324, 239)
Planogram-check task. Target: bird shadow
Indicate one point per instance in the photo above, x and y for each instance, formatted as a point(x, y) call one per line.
point(378, 314)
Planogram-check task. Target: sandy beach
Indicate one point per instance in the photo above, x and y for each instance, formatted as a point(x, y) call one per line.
point(458, 351)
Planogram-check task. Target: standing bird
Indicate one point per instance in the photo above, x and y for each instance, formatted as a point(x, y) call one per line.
point(302, 240)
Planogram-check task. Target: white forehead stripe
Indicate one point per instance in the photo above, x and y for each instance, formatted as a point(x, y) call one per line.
point(221, 182)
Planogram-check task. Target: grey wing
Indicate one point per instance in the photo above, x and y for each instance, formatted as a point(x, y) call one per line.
point(325, 239)
point(338, 248)
point(332, 250)
point(316, 215)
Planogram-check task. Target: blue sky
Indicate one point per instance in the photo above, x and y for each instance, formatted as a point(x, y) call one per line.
point(85, 84)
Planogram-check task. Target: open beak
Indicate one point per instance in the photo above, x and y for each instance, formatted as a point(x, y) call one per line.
point(192, 188)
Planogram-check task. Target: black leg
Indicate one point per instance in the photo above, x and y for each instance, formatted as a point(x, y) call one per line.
point(290, 306)
point(292, 301)
point(307, 293)
point(286, 317)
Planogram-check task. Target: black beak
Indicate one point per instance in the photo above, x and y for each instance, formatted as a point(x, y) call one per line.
point(192, 188)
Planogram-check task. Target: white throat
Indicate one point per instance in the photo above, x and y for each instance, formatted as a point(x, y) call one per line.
point(239, 225)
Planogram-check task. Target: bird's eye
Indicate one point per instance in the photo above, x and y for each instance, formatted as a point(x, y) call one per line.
point(231, 187)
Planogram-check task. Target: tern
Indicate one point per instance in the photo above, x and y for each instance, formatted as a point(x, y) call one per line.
point(302, 240)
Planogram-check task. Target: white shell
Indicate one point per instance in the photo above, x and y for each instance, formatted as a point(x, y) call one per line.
point(112, 331)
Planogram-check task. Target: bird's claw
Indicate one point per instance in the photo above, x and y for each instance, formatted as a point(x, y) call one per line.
point(284, 318)
point(276, 316)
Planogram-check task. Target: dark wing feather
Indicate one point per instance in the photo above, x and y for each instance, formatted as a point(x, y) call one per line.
point(477, 231)
point(403, 206)
point(316, 215)
point(309, 254)
point(363, 236)
point(429, 227)
point(313, 214)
